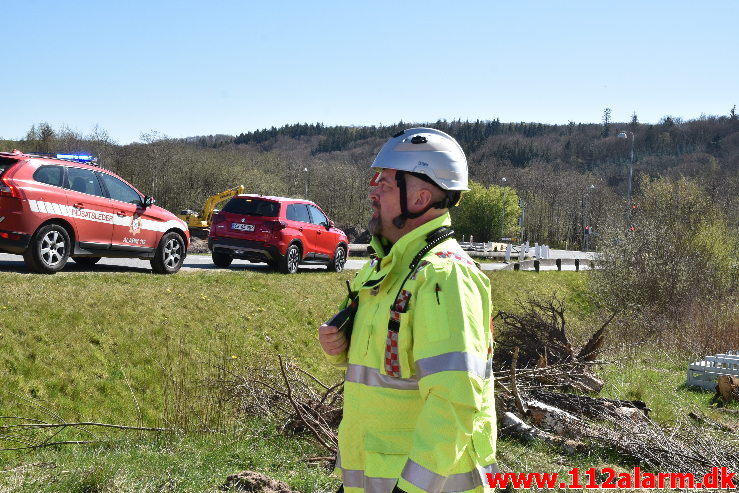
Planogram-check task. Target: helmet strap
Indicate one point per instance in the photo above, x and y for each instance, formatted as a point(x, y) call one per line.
point(399, 221)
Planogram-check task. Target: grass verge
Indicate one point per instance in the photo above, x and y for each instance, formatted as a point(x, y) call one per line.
point(136, 349)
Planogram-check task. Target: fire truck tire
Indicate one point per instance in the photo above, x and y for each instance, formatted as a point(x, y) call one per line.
point(169, 254)
point(49, 249)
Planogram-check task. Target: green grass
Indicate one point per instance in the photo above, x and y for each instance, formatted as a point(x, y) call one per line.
point(122, 348)
point(84, 341)
point(195, 462)
point(658, 378)
point(126, 348)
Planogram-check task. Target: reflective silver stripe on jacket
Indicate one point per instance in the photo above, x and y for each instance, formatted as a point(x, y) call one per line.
point(429, 481)
point(420, 477)
point(353, 478)
point(457, 361)
point(372, 377)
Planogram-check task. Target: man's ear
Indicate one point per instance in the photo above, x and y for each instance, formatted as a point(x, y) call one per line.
point(422, 197)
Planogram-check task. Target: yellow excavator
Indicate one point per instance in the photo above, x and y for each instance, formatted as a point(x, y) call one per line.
point(199, 223)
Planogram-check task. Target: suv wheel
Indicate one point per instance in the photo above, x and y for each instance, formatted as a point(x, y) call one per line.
point(337, 264)
point(289, 263)
point(86, 261)
point(49, 249)
point(221, 259)
point(169, 255)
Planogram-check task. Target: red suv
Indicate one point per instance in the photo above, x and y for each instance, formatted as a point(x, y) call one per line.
point(282, 232)
point(53, 207)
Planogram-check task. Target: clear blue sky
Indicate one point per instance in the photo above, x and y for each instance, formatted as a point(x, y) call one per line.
point(185, 68)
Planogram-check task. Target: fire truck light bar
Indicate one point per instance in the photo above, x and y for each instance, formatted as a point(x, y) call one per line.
point(75, 157)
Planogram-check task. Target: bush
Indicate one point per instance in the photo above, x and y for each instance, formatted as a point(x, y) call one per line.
point(479, 214)
point(676, 254)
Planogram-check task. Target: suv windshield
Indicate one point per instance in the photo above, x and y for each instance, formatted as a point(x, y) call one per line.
point(252, 207)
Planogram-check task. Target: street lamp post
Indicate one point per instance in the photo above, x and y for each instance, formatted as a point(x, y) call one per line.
point(522, 205)
point(305, 170)
point(586, 230)
point(502, 209)
point(623, 135)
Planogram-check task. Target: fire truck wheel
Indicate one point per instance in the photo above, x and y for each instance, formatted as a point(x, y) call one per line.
point(169, 255)
point(49, 249)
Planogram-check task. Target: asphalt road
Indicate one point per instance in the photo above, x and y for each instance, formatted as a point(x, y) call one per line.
point(14, 263)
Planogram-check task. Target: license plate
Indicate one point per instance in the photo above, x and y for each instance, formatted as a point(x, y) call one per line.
point(242, 227)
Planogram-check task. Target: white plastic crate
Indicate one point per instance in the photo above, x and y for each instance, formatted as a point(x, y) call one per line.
point(704, 374)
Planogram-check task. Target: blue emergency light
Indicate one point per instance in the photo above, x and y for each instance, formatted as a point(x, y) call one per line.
point(76, 157)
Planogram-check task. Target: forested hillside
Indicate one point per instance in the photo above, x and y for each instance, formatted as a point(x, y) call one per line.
point(551, 167)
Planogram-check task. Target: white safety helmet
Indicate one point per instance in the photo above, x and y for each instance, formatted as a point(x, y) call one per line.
point(429, 152)
point(430, 155)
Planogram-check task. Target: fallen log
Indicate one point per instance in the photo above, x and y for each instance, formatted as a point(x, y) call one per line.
point(551, 418)
point(513, 425)
point(591, 407)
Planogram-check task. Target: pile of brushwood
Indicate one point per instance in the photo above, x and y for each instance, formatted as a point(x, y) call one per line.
point(545, 390)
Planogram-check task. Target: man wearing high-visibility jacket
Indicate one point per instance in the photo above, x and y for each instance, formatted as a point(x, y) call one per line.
point(418, 397)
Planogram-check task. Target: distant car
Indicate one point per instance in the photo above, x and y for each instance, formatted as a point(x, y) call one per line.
point(280, 231)
point(53, 207)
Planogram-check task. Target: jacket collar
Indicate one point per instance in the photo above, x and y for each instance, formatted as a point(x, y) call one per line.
point(408, 245)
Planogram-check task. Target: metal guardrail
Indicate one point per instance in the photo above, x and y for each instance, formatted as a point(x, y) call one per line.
point(498, 251)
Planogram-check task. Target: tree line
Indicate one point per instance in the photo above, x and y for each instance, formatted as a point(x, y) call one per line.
point(669, 260)
point(567, 177)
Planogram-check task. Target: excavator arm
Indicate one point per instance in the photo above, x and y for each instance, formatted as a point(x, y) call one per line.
point(206, 215)
point(203, 219)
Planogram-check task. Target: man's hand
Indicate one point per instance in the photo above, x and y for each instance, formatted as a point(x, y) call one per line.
point(332, 339)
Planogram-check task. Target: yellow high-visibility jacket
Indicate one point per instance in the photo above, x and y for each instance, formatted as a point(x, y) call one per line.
point(418, 395)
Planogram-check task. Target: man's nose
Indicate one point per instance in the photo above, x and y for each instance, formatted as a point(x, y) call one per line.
point(373, 193)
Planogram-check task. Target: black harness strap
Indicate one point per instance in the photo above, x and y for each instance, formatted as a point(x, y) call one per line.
point(432, 239)
point(399, 221)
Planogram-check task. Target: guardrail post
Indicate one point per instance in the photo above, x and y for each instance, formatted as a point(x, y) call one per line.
point(516, 266)
point(559, 263)
point(536, 265)
point(577, 264)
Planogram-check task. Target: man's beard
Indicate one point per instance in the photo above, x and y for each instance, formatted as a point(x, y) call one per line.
point(375, 226)
point(375, 223)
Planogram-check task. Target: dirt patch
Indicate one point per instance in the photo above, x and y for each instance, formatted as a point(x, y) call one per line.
point(255, 482)
point(198, 245)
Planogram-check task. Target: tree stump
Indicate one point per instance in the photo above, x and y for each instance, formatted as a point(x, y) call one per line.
point(728, 388)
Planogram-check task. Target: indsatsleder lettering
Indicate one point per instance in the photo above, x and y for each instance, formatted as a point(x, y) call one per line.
point(96, 216)
point(719, 477)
